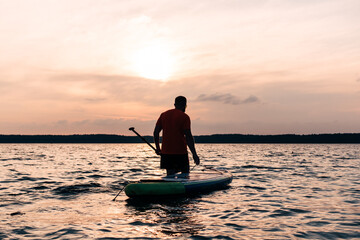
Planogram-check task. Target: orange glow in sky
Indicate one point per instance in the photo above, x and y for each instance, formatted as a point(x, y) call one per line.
point(252, 67)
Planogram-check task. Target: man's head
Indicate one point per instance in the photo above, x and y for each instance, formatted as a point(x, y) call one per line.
point(180, 103)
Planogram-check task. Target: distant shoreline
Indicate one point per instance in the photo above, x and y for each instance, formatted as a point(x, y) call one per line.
point(216, 138)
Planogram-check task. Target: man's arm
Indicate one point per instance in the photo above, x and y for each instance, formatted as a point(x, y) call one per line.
point(157, 131)
point(191, 143)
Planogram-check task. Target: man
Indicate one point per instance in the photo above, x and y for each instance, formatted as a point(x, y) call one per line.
point(175, 124)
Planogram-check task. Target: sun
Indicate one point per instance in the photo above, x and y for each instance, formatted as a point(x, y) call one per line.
point(154, 62)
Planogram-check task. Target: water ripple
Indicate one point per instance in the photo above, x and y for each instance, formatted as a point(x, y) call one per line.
point(279, 191)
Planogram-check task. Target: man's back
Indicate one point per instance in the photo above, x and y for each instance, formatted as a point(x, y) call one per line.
point(177, 135)
point(173, 123)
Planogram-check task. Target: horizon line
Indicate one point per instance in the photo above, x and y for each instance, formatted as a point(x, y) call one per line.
point(210, 134)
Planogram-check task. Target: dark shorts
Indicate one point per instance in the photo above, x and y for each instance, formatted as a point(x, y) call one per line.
point(179, 162)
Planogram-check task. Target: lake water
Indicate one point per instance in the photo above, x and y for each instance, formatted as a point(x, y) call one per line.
point(279, 191)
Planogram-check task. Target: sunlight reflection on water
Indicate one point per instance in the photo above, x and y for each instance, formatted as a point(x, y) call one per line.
point(278, 192)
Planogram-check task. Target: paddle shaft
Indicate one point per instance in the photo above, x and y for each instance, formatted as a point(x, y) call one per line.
point(119, 192)
point(133, 129)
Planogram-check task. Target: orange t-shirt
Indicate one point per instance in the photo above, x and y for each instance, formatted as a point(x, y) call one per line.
point(173, 123)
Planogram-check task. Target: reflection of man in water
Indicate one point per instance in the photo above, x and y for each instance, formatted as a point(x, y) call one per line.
point(175, 124)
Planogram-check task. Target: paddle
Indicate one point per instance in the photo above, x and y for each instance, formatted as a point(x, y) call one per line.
point(133, 129)
point(119, 192)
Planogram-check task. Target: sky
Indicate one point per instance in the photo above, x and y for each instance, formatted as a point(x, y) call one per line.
point(248, 67)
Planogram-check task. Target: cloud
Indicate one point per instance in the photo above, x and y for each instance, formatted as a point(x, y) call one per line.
point(95, 100)
point(251, 99)
point(226, 98)
point(61, 123)
point(82, 126)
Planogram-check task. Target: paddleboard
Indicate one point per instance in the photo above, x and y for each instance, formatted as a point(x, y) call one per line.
point(195, 183)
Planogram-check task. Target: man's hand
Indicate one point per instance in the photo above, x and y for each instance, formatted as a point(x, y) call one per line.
point(196, 159)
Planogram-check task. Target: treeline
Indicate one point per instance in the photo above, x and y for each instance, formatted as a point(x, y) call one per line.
point(286, 138)
point(217, 138)
point(86, 138)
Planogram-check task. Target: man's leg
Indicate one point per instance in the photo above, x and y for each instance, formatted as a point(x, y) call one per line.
point(184, 166)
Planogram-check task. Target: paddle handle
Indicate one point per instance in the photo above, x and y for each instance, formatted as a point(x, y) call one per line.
point(133, 129)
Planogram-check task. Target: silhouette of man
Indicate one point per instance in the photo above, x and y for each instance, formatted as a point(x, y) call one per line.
point(175, 124)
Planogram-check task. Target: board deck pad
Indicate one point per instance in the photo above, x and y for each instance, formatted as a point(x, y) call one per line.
point(193, 176)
